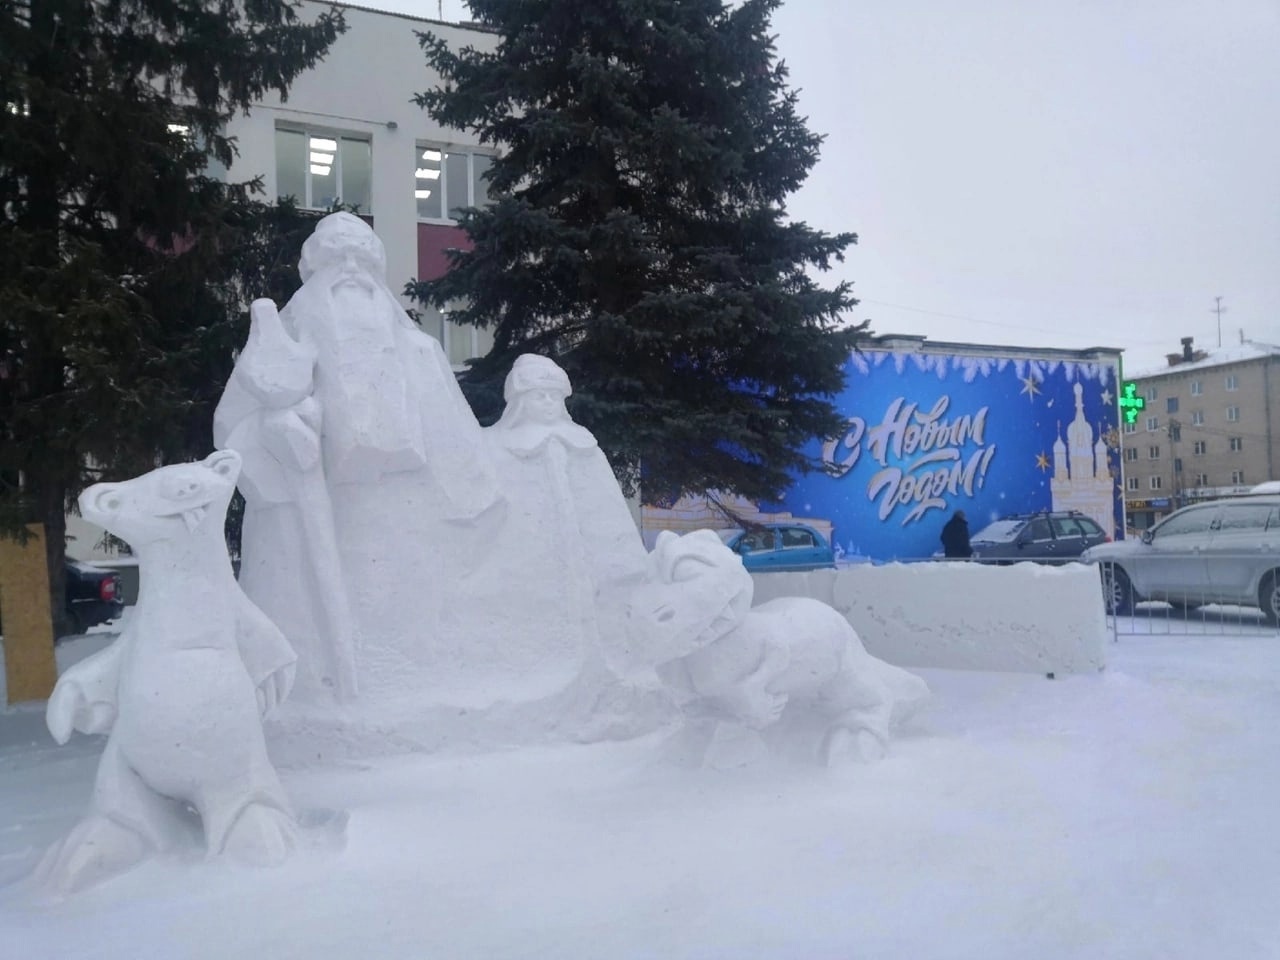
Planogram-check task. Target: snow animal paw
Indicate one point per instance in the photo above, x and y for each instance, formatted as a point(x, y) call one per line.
point(71, 709)
point(843, 745)
point(97, 848)
point(274, 689)
point(262, 835)
point(754, 706)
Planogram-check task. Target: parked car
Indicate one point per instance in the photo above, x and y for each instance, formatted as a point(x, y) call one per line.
point(92, 594)
point(1224, 551)
point(1048, 537)
point(780, 546)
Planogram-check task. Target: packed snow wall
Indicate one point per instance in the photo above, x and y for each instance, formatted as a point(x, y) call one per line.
point(966, 616)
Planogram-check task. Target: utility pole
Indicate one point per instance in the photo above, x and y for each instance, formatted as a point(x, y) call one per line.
point(1175, 434)
point(1219, 309)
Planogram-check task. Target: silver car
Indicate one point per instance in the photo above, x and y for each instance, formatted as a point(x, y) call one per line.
point(1225, 551)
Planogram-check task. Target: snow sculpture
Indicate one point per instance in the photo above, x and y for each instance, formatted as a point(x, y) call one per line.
point(364, 477)
point(791, 669)
point(440, 582)
point(181, 691)
point(569, 551)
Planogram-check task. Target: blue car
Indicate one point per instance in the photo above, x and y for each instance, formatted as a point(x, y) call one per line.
point(780, 546)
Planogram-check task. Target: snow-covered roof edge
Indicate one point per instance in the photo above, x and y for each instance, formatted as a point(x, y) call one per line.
point(1214, 357)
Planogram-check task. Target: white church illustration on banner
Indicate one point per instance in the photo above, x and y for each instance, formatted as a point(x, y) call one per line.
point(1081, 479)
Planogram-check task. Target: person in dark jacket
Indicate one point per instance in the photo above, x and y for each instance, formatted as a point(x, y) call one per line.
point(955, 536)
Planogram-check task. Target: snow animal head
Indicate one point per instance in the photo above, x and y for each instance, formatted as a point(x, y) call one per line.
point(169, 502)
point(696, 591)
point(343, 243)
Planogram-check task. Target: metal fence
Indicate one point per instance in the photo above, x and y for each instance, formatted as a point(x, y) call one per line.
point(1193, 594)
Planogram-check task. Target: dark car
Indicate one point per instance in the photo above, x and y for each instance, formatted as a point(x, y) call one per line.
point(93, 595)
point(780, 546)
point(1050, 537)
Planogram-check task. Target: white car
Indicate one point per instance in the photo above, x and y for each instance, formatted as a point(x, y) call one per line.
point(1224, 551)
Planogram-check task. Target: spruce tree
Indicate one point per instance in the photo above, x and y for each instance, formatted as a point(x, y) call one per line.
point(123, 265)
point(638, 234)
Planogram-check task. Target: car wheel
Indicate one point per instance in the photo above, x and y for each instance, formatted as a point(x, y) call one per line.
point(1269, 597)
point(1117, 590)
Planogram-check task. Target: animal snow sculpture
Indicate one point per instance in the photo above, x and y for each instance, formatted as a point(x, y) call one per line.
point(738, 669)
point(181, 692)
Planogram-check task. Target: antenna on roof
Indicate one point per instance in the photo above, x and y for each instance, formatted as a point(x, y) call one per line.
point(1219, 309)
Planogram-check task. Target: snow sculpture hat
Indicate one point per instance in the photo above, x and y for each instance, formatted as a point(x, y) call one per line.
point(534, 372)
point(336, 235)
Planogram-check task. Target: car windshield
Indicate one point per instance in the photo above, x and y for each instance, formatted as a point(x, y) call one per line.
point(1000, 531)
point(727, 535)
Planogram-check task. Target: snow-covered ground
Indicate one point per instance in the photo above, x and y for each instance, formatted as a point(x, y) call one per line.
point(1126, 814)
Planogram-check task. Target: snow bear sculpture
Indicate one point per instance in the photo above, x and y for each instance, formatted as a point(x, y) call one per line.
point(181, 691)
point(737, 669)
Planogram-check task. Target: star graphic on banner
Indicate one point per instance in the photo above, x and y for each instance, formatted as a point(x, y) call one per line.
point(1042, 461)
point(1029, 387)
point(1106, 397)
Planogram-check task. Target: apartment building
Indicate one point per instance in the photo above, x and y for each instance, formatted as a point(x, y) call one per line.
point(1207, 428)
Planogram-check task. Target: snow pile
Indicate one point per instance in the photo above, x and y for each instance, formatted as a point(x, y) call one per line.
point(966, 616)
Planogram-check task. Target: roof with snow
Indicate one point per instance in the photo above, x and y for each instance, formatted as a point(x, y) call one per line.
point(1213, 357)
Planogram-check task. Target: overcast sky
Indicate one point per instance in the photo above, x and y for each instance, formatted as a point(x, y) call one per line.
point(1065, 173)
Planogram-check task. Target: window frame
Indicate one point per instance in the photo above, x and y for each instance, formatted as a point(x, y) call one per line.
point(421, 149)
point(311, 132)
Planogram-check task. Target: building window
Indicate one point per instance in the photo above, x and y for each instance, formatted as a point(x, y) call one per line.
point(1237, 444)
point(1131, 453)
point(1177, 464)
point(321, 168)
point(1172, 405)
point(1151, 394)
point(445, 180)
point(1202, 479)
point(1175, 431)
point(1196, 388)
point(1131, 483)
point(1233, 414)
point(1197, 448)
point(1237, 477)
point(1131, 427)
point(1153, 423)
point(1197, 418)
point(1153, 453)
point(1233, 382)
point(1157, 483)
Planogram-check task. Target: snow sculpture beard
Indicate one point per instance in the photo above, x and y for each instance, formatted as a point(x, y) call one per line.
point(360, 379)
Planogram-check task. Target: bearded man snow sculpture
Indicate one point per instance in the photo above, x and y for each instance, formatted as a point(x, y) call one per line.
point(738, 669)
point(363, 472)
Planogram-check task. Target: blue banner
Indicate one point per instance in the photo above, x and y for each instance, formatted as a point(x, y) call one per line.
point(930, 434)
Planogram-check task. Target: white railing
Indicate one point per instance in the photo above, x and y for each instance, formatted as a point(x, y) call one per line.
point(1193, 595)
